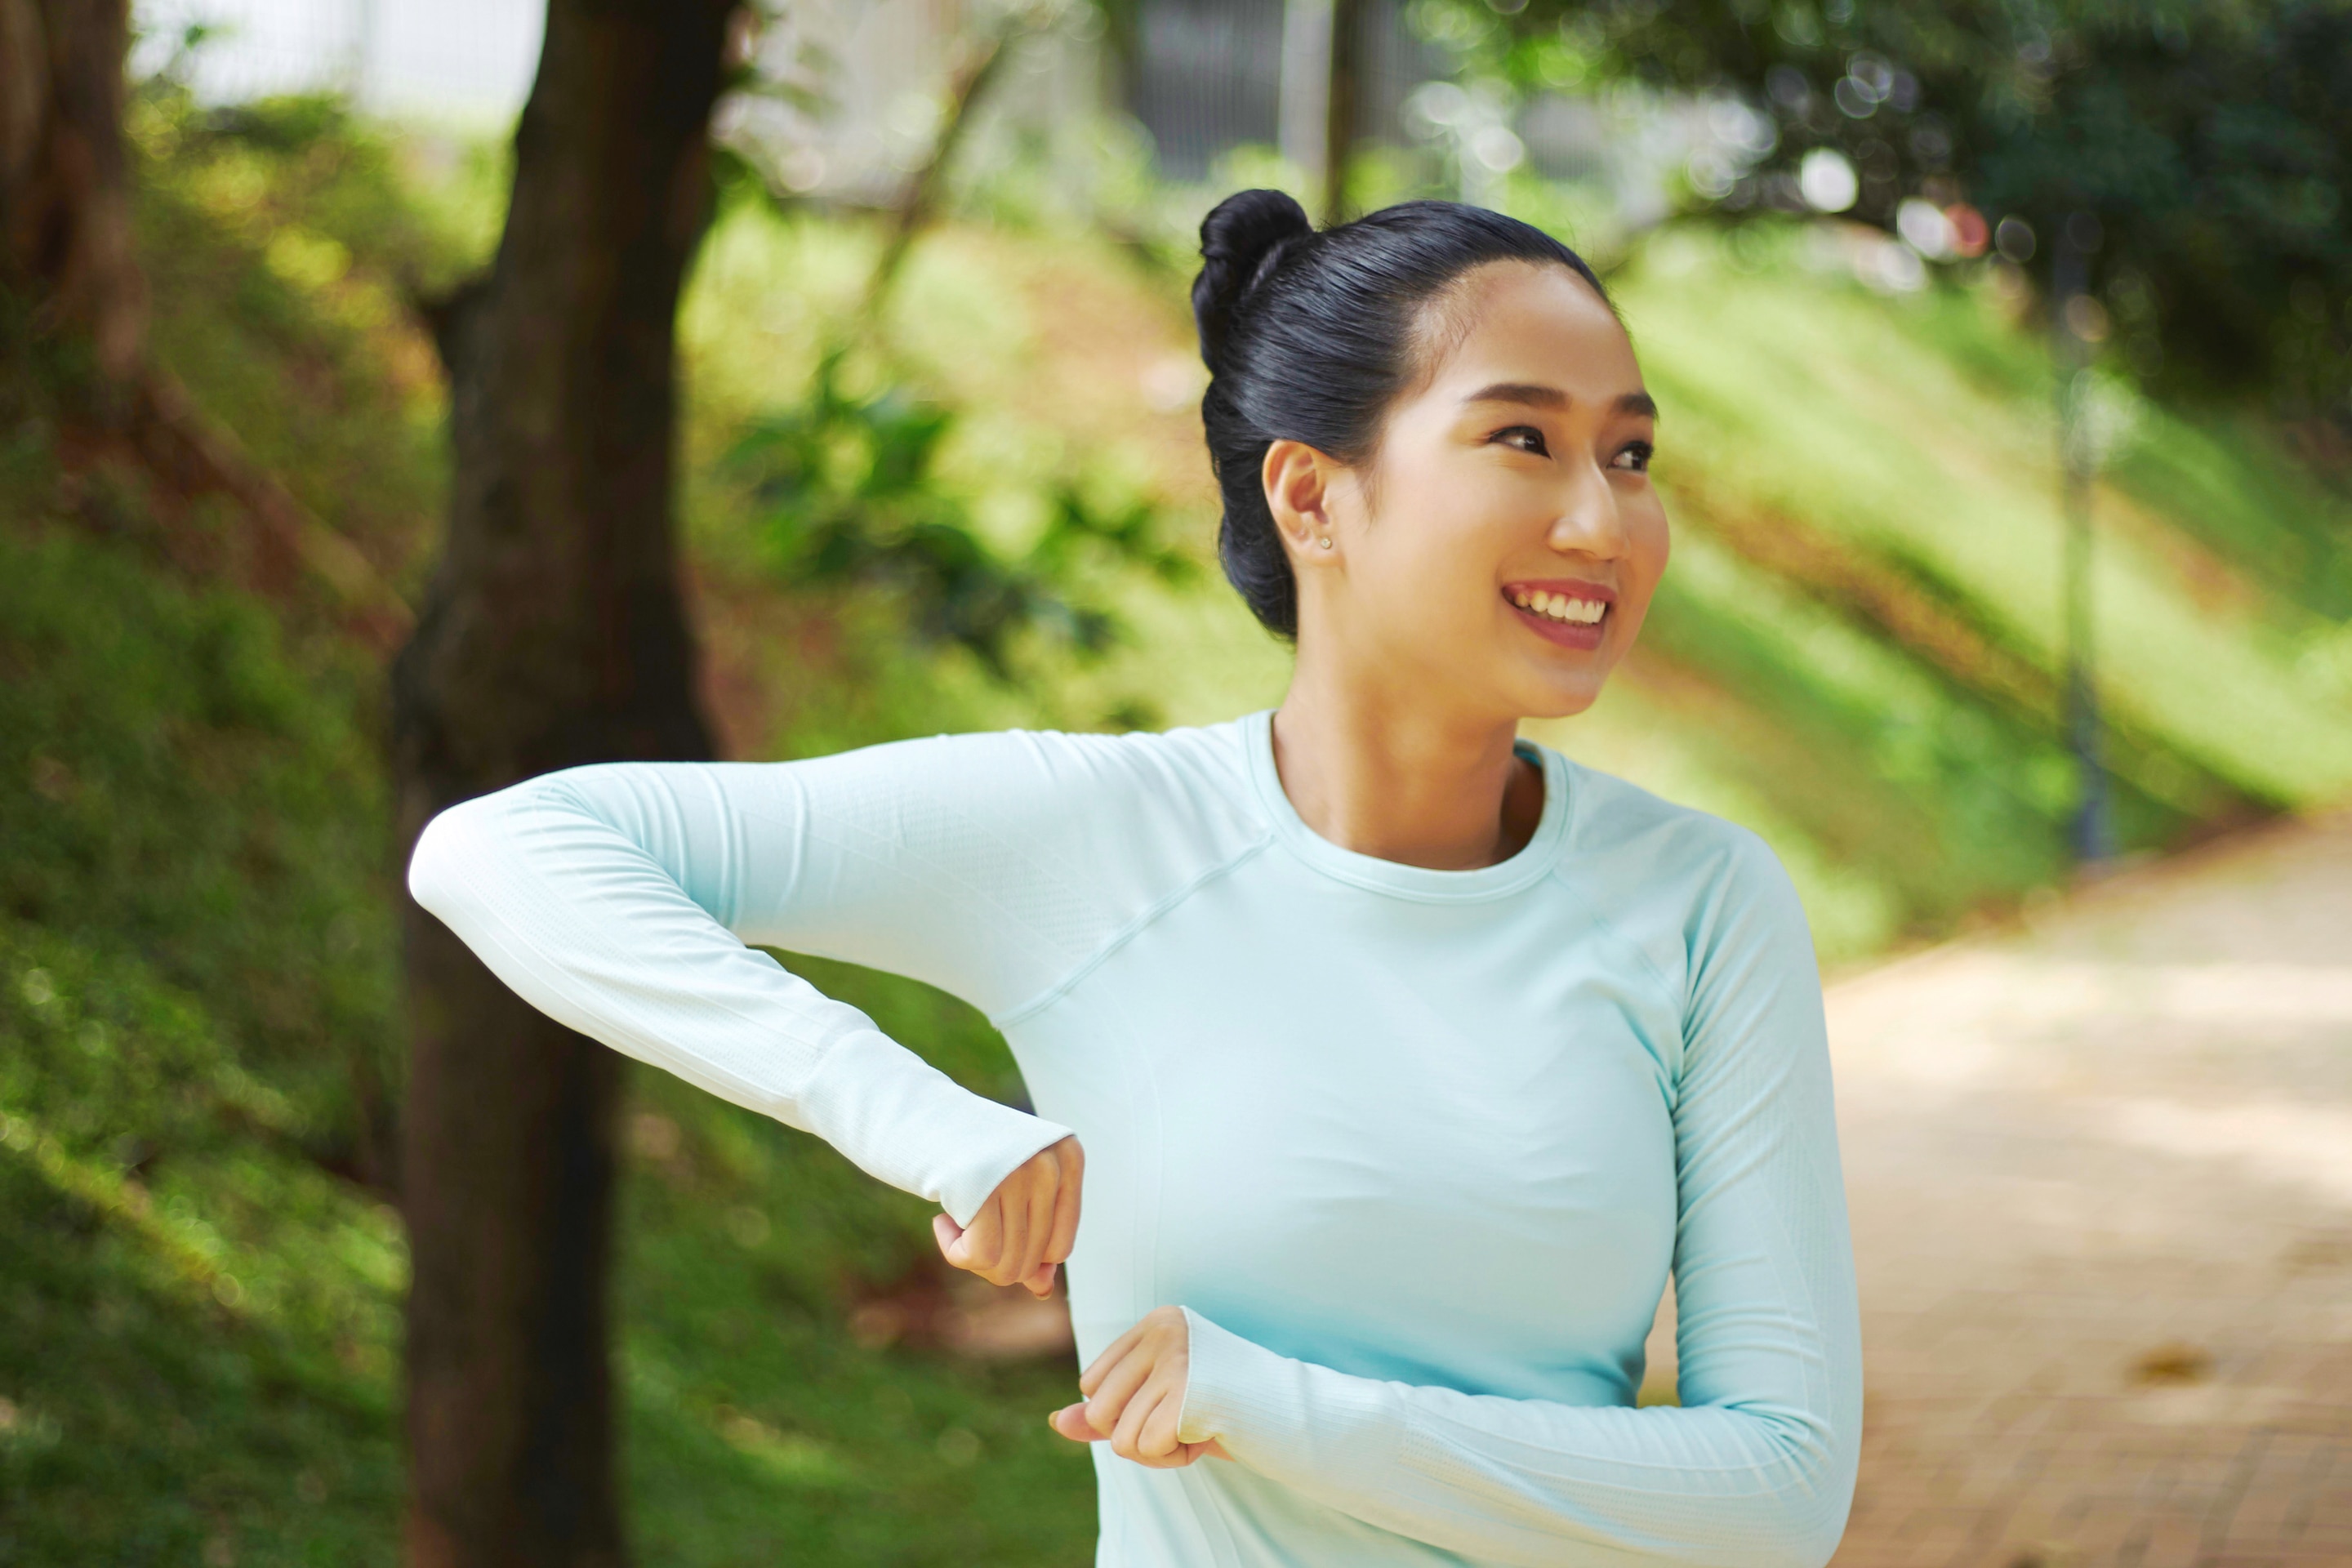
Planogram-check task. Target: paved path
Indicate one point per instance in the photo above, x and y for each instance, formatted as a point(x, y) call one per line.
point(2100, 1170)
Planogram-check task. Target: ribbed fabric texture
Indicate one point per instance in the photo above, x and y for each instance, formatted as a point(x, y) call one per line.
point(1415, 1150)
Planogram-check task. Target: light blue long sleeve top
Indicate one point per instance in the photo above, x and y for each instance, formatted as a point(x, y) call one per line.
point(1415, 1150)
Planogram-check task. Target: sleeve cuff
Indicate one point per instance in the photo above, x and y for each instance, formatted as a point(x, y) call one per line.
point(1270, 1411)
point(901, 1120)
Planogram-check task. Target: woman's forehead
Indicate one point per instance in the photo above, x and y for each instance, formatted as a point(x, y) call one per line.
point(1516, 321)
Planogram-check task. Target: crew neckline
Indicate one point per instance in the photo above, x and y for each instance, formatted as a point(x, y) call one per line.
point(1535, 858)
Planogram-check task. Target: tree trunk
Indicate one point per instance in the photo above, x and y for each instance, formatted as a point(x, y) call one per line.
point(65, 195)
point(553, 633)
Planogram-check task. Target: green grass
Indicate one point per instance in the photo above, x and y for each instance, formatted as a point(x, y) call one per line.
point(197, 1320)
point(199, 1323)
point(196, 1327)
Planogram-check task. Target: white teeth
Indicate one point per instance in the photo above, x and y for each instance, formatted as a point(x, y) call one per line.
point(1560, 607)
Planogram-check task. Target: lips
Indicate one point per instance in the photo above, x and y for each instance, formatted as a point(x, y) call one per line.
point(1570, 612)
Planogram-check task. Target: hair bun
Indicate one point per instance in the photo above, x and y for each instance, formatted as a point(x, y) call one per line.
point(1239, 240)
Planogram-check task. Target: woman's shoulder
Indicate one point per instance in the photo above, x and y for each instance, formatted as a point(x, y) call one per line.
point(1642, 841)
point(1693, 892)
point(1201, 764)
point(1171, 798)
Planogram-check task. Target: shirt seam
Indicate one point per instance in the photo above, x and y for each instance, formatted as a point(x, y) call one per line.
point(1125, 934)
point(1711, 891)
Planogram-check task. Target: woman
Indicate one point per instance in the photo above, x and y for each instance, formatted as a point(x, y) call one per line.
point(1400, 1059)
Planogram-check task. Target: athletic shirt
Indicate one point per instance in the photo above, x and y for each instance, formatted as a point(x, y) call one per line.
point(1415, 1150)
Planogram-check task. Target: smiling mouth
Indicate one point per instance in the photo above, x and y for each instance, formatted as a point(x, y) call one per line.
point(1565, 607)
point(1567, 615)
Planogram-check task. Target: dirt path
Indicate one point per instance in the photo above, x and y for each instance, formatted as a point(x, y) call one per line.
point(2100, 1178)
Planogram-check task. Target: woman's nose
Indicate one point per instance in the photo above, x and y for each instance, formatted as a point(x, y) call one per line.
point(1589, 522)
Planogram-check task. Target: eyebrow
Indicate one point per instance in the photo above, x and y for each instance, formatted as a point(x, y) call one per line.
point(1535, 395)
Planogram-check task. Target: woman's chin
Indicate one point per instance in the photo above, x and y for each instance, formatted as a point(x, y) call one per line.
point(1556, 699)
point(1558, 683)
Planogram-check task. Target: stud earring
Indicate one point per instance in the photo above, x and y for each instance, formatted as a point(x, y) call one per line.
point(1325, 542)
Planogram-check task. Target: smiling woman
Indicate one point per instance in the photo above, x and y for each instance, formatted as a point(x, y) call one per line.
point(1399, 1060)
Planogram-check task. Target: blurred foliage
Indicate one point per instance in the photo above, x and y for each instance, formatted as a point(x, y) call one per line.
point(284, 249)
point(848, 484)
point(2208, 138)
point(850, 495)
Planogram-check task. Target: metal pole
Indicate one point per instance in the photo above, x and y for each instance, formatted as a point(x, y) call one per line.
point(1348, 22)
point(1304, 128)
point(357, 64)
point(2091, 832)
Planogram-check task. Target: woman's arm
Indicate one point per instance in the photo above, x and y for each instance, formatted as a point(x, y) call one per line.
point(1754, 1468)
point(618, 899)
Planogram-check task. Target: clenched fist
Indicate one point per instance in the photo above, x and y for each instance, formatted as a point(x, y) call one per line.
point(1135, 1391)
point(1026, 1227)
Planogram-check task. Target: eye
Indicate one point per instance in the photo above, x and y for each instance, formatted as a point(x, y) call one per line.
point(1638, 451)
point(1526, 438)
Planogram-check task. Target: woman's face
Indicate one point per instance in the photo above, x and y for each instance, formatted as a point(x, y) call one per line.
point(1504, 541)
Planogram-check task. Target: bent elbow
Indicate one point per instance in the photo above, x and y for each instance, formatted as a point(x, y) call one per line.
point(438, 866)
point(467, 851)
point(1804, 1518)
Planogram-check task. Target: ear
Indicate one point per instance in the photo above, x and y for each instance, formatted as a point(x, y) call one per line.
point(1298, 481)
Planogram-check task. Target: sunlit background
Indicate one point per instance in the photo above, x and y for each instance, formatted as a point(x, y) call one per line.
point(2031, 656)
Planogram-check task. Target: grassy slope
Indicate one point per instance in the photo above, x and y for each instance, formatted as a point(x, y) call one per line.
point(196, 1321)
point(198, 1327)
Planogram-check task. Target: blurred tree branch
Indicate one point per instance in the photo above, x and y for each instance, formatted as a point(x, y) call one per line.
point(982, 55)
point(849, 486)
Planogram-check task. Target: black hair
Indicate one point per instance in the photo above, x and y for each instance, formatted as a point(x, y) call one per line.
point(1310, 336)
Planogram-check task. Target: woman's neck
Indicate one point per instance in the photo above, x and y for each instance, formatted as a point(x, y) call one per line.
point(1400, 780)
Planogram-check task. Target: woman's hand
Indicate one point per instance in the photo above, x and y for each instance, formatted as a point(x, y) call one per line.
point(1135, 1391)
point(1026, 1226)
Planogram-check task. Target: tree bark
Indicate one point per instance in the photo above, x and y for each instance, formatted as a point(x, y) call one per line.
point(553, 633)
point(65, 193)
